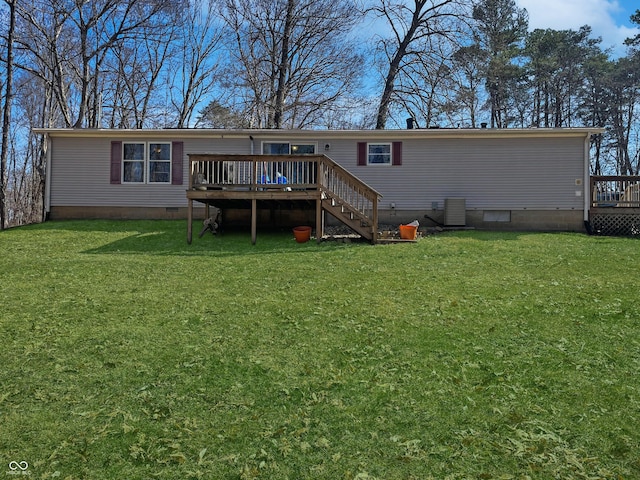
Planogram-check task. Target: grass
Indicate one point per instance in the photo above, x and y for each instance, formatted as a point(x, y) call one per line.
point(126, 353)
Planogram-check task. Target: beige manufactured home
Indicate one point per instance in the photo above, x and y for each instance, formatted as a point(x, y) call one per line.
point(512, 179)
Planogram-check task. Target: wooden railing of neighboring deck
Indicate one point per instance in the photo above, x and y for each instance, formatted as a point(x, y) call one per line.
point(612, 191)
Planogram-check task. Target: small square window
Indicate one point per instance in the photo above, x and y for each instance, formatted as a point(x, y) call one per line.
point(159, 172)
point(379, 154)
point(159, 151)
point(134, 151)
point(133, 172)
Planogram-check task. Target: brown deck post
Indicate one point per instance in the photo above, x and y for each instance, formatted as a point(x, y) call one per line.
point(319, 226)
point(189, 221)
point(374, 236)
point(254, 220)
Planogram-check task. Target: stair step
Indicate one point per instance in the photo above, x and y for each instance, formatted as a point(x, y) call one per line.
point(359, 222)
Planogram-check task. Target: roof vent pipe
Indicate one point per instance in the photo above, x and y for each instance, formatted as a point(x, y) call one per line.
point(410, 123)
point(483, 125)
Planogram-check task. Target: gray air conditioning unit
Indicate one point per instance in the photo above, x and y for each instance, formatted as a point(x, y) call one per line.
point(455, 212)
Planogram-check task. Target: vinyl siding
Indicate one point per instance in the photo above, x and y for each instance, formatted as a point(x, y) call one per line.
point(525, 172)
point(492, 173)
point(81, 173)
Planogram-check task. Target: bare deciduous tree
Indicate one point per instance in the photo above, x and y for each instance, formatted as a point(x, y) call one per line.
point(68, 45)
point(134, 79)
point(196, 59)
point(413, 25)
point(291, 59)
point(6, 111)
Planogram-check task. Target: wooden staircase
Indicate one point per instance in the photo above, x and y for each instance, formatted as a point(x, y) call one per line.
point(348, 199)
point(349, 216)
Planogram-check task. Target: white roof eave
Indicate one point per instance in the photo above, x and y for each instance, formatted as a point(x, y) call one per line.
point(323, 134)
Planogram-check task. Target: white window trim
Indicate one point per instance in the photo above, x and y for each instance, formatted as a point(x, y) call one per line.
point(146, 160)
point(375, 164)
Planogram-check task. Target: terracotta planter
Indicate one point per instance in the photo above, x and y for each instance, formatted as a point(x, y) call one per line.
point(408, 232)
point(302, 234)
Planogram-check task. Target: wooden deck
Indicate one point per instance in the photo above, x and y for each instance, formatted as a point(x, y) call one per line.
point(299, 182)
point(615, 205)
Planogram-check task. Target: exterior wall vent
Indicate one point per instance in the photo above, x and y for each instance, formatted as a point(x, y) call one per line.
point(455, 212)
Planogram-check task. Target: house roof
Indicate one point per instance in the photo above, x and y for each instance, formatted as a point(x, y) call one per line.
point(323, 134)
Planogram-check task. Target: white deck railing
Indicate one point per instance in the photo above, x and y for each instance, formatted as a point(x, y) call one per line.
point(253, 172)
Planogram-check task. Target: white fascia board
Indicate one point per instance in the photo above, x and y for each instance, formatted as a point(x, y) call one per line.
point(324, 134)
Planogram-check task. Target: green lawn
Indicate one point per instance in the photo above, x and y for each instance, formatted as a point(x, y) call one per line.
point(127, 354)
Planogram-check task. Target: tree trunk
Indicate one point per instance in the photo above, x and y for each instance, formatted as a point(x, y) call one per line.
point(389, 86)
point(283, 68)
point(419, 18)
point(6, 114)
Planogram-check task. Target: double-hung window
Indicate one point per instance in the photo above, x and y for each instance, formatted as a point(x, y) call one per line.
point(133, 156)
point(159, 163)
point(148, 162)
point(379, 154)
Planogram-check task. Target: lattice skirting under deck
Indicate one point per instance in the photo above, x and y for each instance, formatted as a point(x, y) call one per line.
point(621, 224)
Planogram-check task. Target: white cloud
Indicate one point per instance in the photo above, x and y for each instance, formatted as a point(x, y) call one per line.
point(572, 14)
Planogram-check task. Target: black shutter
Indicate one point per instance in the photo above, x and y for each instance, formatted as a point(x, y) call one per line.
point(362, 153)
point(177, 150)
point(116, 162)
point(396, 153)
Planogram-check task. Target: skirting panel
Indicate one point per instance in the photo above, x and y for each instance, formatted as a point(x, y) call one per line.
point(620, 224)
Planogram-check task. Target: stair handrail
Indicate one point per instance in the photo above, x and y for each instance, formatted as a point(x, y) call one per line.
point(335, 180)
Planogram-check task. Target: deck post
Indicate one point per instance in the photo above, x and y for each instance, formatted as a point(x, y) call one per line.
point(374, 233)
point(319, 226)
point(254, 220)
point(189, 221)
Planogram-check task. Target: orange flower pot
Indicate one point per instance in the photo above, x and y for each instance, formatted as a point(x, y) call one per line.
point(408, 232)
point(302, 234)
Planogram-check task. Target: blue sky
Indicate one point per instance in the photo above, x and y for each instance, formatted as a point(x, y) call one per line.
point(608, 19)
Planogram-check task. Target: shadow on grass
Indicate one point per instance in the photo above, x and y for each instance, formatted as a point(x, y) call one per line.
point(169, 237)
point(225, 244)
